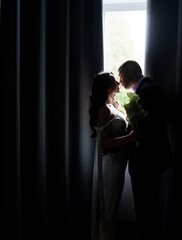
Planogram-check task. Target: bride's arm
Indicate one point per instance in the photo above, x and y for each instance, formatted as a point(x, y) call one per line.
point(104, 116)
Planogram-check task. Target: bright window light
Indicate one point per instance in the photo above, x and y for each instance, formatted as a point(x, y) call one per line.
point(124, 34)
point(124, 39)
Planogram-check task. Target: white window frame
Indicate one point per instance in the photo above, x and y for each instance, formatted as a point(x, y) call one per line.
point(124, 6)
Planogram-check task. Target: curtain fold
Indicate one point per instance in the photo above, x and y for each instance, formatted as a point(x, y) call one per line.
point(11, 176)
point(163, 64)
point(50, 51)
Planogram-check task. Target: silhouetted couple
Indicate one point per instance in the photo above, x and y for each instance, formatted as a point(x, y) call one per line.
point(116, 144)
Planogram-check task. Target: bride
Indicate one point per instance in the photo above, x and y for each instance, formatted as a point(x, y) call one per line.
point(109, 128)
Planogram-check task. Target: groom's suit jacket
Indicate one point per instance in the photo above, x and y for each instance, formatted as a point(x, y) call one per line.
point(154, 154)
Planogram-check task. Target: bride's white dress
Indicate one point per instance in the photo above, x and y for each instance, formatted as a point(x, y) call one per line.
point(108, 181)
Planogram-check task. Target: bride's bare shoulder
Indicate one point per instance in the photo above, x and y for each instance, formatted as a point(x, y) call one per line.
point(104, 115)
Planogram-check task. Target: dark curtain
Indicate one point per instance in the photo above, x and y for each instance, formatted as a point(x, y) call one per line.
point(163, 65)
point(50, 51)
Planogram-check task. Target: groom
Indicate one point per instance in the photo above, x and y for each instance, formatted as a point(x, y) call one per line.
point(153, 154)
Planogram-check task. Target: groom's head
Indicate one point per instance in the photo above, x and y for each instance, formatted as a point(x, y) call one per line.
point(129, 72)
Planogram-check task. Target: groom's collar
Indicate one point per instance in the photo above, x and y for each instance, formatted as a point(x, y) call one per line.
point(137, 84)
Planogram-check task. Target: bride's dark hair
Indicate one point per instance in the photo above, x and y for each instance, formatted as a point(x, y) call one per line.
point(98, 96)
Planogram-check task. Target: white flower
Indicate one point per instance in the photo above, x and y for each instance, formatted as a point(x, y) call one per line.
point(135, 112)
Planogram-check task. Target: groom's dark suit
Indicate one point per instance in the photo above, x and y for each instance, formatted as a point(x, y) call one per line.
point(149, 160)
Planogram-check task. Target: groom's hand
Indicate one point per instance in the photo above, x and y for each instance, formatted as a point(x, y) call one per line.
point(129, 129)
point(133, 136)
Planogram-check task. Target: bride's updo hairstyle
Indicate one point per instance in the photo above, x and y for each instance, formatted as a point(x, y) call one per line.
point(98, 96)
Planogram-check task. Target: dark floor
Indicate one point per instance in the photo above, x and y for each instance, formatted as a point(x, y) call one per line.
point(125, 231)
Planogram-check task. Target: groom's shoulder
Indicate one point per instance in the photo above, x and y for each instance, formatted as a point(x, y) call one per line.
point(148, 85)
point(149, 90)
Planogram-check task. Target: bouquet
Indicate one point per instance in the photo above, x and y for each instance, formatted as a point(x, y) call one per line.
point(135, 112)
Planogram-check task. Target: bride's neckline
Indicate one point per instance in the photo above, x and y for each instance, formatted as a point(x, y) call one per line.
point(115, 110)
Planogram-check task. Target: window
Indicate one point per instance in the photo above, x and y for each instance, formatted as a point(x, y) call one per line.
point(124, 34)
point(124, 39)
